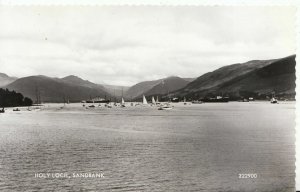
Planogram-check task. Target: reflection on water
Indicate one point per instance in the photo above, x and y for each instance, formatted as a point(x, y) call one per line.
point(191, 148)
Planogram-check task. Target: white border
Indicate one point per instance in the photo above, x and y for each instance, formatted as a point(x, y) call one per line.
point(153, 2)
point(295, 3)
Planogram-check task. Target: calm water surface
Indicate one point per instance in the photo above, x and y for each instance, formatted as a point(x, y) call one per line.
point(200, 147)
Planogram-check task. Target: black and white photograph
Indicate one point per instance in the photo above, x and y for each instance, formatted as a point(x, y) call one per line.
point(148, 98)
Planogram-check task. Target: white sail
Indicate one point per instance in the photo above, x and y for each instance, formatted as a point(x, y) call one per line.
point(144, 100)
point(122, 102)
point(153, 100)
point(184, 100)
point(157, 99)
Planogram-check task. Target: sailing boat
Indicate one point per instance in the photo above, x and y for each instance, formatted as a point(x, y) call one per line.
point(144, 100)
point(184, 101)
point(122, 103)
point(274, 100)
point(153, 100)
point(157, 99)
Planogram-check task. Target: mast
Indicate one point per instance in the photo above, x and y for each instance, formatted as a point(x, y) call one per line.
point(115, 95)
point(36, 95)
point(122, 100)
point(64, 100)
point(40, 98)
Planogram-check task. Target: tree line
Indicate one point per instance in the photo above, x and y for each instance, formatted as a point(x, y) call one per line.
point(13, 99)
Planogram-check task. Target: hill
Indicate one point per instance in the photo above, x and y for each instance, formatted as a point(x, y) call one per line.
point(258, 78)
point(57, 90)
point(116, 90)
point(140, 88)
point(156, 87)
point(167, 85)
point(5, 79)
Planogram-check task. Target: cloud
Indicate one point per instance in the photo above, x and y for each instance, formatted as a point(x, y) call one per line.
point(125, 45)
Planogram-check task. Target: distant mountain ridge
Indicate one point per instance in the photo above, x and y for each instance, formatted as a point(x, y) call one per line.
point(57, 90)
point(255, 77)
point(116, 90)
point(156, 87)
point(5, 79)
point(258, 78)
point(140, 88)
point(167, 85)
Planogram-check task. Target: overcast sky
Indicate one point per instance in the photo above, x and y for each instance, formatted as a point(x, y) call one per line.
point(125, 45)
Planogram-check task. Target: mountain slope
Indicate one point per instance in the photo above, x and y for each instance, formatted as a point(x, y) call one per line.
point(116, 90)
point(157, 87)
point(5, 79)
point(140, 88)
point(167, 85)
point(189, 79)
point(259, 77)
point(55, 89)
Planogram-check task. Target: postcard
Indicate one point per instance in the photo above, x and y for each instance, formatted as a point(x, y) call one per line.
point(148, 97)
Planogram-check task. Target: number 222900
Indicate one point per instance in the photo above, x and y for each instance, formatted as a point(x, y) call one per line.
point(248, 176)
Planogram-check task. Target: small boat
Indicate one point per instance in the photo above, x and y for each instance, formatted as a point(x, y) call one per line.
point(92, 106)
point(2, 110)
point(245, 100)
point(122, 103)
point(184, 101)
point(218, 99)
point(197, 102)
point(17, 109)
point(165, 108)
point(175, 100)
point(98, 100)
point(274, 100)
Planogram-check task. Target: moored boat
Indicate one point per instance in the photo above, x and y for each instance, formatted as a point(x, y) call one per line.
point(218, 99)
point(165, 108)
point(274, 100)
point(122, 103)
point(153, 100)
point(197, 102)
point(144, 100)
